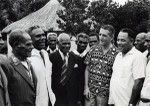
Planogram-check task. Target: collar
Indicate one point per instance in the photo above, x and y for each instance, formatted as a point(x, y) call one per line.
point(130, 52)
point(62, 55)
point(14, 59)
point(51, 49)
point(80, 54)
point(35, 52)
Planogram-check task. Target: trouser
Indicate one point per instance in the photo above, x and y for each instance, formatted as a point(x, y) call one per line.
point(96, 101)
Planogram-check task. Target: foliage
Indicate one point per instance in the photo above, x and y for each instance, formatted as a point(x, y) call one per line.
point(13, 10)
point(134, 15)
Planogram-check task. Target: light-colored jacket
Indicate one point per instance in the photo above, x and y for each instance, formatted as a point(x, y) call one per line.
point(43, 70)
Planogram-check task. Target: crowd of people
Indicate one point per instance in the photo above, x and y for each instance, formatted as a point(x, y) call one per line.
point(42, 70)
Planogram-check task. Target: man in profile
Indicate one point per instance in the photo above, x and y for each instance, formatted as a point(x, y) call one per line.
point(139, 42)
point(19, 72)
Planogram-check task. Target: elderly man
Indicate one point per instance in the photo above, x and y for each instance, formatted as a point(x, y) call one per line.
point(139, 41)
point(62, 75)
point(98, 72)
point(128, 71)
point(42, 66)
point(145, 93)
point(93, 39)
point(19, 72)
point(52, 42)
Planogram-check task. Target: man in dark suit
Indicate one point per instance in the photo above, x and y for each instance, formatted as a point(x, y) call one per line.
point(21, 78)
point(63, 77)
point(78, 57)
point(4, 97)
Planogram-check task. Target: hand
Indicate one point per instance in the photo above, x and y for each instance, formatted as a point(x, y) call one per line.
point(145, 100)
point(87, 93)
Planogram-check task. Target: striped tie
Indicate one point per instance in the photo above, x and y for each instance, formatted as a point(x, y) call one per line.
point(64, 71)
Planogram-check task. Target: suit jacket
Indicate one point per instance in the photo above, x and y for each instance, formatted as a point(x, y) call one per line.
point(22, 90)
point(4, 96)
point(65, 95)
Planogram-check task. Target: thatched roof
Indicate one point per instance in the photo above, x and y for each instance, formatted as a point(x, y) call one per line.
point(45, 17)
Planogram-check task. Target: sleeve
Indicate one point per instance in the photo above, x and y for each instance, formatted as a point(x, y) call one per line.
point(139, 67)
point(88, 57)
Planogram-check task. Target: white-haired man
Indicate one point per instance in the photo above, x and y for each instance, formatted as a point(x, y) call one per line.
point(52, 42)
point(63, 78)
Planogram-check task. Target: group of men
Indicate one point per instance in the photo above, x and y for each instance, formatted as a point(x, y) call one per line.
point(42, 71)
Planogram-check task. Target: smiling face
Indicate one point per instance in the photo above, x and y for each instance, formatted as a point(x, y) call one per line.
point(39, 38)
point(104, 37)
point(124, 42)
point(52, 41)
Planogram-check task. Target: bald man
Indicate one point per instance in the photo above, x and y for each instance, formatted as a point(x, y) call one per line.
point(139, 41)
point(63, 78)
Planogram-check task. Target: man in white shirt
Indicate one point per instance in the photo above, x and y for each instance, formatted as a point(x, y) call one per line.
point(145, 93)
point(128, 71)
point(42, 66)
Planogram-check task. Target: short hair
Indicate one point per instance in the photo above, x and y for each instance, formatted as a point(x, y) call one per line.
point(143, 34)
point(63, 36)
point(130, 32)
point(83, 35)
point(31, 29)
point(110, 28)
point(16, 37)
point(51, 33)
point(94, 34)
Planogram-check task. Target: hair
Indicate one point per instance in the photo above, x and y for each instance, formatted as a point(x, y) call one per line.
point(94, 34)
point(130, 32)
point(142, 33)
point(82, 35)
point(110, 28)
point(16, 37)
point(31, 29)
point(63, 36)
point(50, 34)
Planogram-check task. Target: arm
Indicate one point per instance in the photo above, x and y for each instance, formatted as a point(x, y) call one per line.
point(86, 88)
point(136, 90)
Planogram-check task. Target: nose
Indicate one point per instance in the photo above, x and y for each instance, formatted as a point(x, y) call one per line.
point(135, 43)
point(145, 44)
point(43, 37)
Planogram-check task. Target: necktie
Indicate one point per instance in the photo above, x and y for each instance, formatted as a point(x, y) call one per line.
point(41, 54)
point(64, 71)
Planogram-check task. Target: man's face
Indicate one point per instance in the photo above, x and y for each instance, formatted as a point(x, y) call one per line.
point(123, 42)
point(64, 45)
point(52, 41)
point(93, 41)
point(147, 42)
point(104, 37)
point(39, 39)
point(24, 49)
point(82, 43)
point(139, 42)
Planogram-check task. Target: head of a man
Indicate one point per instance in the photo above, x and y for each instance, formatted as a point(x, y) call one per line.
point(21, 44)
point(125, 40)
point(52, 40)
point(64, 43)
point(38, 37)
point(82, 42)
point(147, 42)
point(139, 41)
point(106, 35)
point(93, 39)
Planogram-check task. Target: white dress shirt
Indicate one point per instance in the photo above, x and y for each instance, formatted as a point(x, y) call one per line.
point(126, 69)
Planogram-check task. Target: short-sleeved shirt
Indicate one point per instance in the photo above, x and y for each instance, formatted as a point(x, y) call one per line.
point(126, 69)
point(100, 69)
